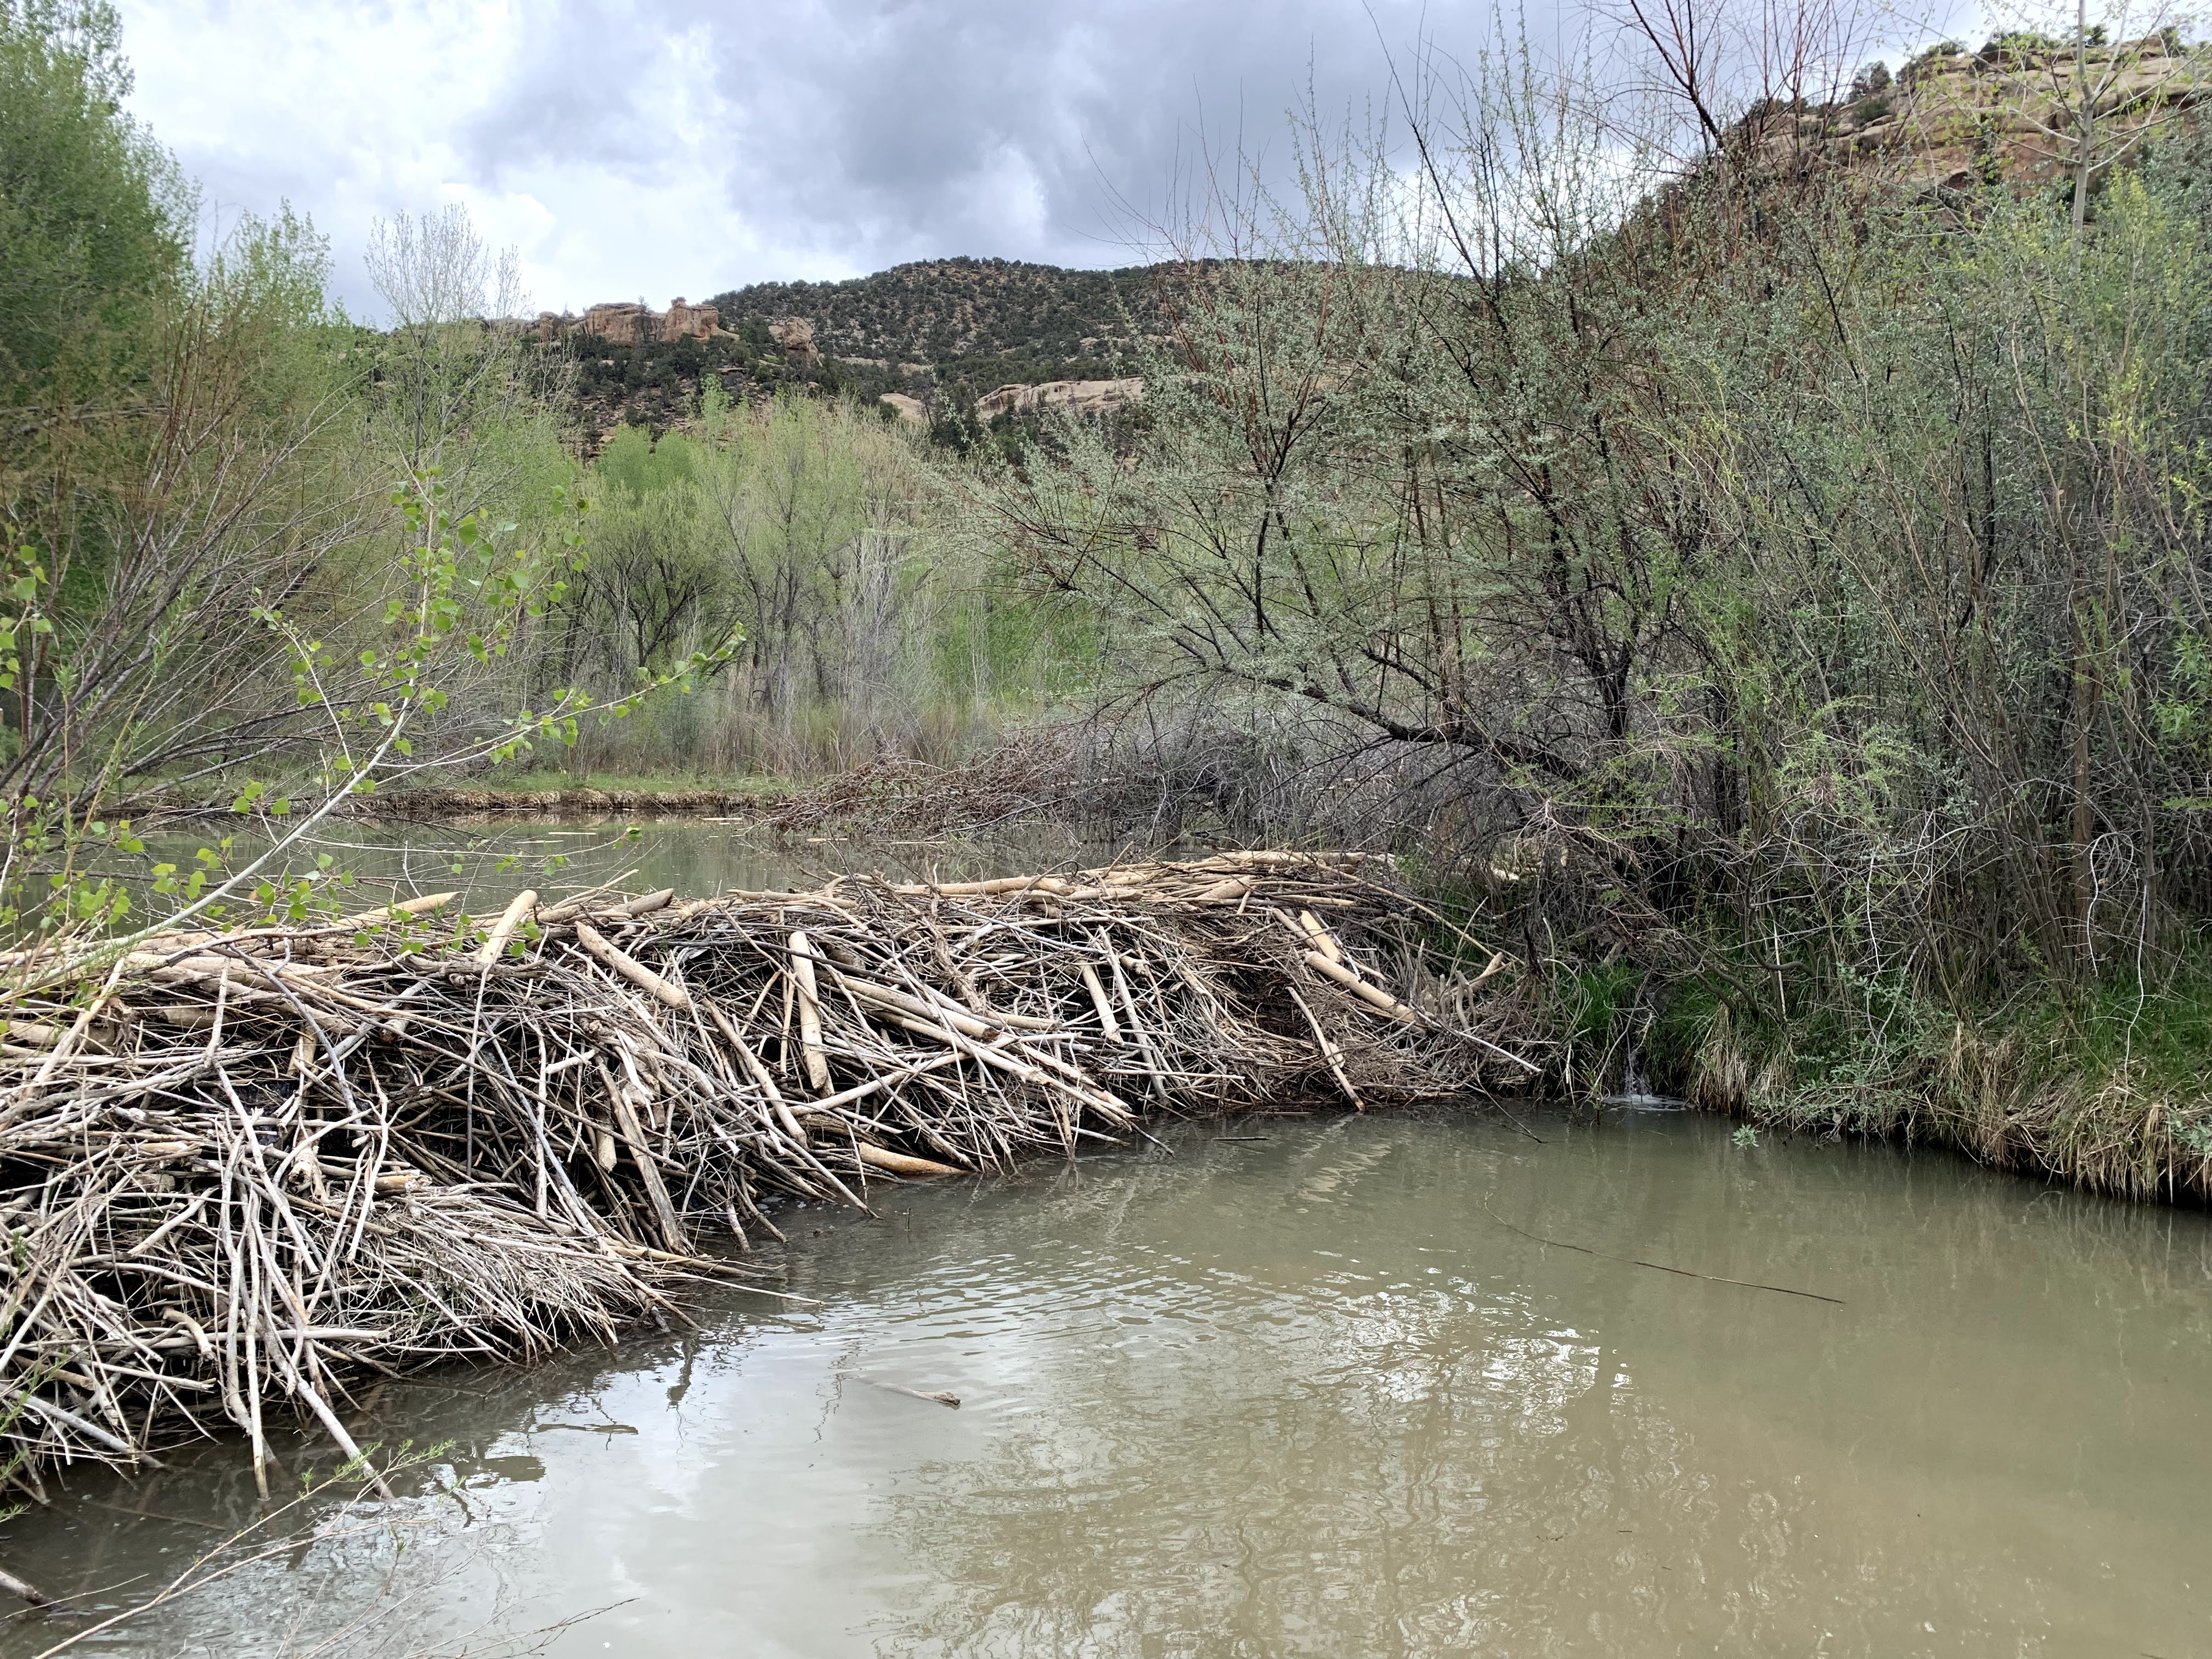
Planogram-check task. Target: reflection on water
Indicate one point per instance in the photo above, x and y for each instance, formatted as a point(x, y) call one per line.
point(487, 860)
point(1308, 1396)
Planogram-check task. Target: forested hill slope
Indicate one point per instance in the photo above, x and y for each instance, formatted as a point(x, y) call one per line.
point(940, 331)
point(964, 325)
point(938, 311)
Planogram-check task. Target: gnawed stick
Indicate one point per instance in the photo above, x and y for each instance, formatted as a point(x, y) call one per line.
point(879, 1157)
point(1329, 1051)
point(760, 1073)
point(398, 911)
point(809, 1012)
point(1324, 941)
point(1373, 995)
point(510, 919)
point(1107, 1022)
point(630, 967)
point(641, 1152)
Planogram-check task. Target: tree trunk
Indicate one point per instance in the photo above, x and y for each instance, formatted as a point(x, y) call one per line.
point(2084, 119)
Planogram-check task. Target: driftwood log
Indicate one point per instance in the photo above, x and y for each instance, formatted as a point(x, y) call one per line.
point(239, 1172)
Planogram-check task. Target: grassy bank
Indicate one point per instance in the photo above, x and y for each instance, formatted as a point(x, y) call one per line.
point(671, 780)
point(2102, 1086)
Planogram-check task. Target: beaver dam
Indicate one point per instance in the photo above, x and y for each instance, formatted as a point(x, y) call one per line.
point(245, 1171)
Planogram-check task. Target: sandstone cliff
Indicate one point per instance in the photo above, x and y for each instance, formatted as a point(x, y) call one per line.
point(1077, 397)
point(1951, 119)
point(628, 323)
point(795, 335)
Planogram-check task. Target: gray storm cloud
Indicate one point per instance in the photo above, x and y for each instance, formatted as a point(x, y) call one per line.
point(870, 132)
point(640, 150)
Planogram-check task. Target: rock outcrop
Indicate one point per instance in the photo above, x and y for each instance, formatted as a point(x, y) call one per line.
point(628, 323)
point(905, 407)
point(1950, 120)
point(795, 336)
point(1089, 397)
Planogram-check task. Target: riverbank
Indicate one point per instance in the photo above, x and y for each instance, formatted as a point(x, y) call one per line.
point(744, 804)
point(2102, 1088)
point(248, 1169)
point(744, 798)
point(1035, 776)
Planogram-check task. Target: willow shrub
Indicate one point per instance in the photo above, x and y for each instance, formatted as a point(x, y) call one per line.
point(810, 526)
point(1771, 577)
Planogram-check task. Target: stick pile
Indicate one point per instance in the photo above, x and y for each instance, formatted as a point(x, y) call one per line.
point(243, 1171)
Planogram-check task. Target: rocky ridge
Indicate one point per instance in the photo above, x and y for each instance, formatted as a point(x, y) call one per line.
point(1950, 120)
point(633, 323)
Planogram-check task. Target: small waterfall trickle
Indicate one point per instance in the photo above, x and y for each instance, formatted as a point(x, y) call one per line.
point(1635, 1086)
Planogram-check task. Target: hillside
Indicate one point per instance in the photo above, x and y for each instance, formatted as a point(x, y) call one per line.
point(965, 326)
point(1952, 121)
point(942, 333)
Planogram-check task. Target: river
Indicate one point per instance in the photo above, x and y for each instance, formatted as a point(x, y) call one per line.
point(487, 861)
point(1299, 1386)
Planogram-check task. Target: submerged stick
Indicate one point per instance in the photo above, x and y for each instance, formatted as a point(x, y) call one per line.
point(941, 1397)
point(11, 1585)
point(1660, 1266)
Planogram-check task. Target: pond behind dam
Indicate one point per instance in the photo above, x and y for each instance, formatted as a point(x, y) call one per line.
point(1307, 1385)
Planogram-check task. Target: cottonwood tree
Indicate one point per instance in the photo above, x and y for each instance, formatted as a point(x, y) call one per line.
point(224, 590)
point(456, 386)
point(2129, 72)
point(810, 513)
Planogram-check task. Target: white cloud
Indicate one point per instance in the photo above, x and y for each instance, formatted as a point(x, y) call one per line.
point(637, 149)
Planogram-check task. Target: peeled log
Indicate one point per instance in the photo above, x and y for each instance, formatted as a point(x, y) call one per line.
point(503, 930)
point(901, 1163)
point(414, 907)
point(630, 967)
point(1324, 941)
point(1360, 988)
point(809, 1012)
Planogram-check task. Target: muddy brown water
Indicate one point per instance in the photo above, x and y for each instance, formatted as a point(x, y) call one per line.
point(1299, 1387)
point(1302, 1386)
point(487, 861)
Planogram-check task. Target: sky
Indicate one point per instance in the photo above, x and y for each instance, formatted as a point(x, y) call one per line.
point(649, 150)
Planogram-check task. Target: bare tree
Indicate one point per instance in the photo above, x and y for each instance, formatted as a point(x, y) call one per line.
point(434, 268)
point(1717, 70)
point(455, 366)
point(2089, 103)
